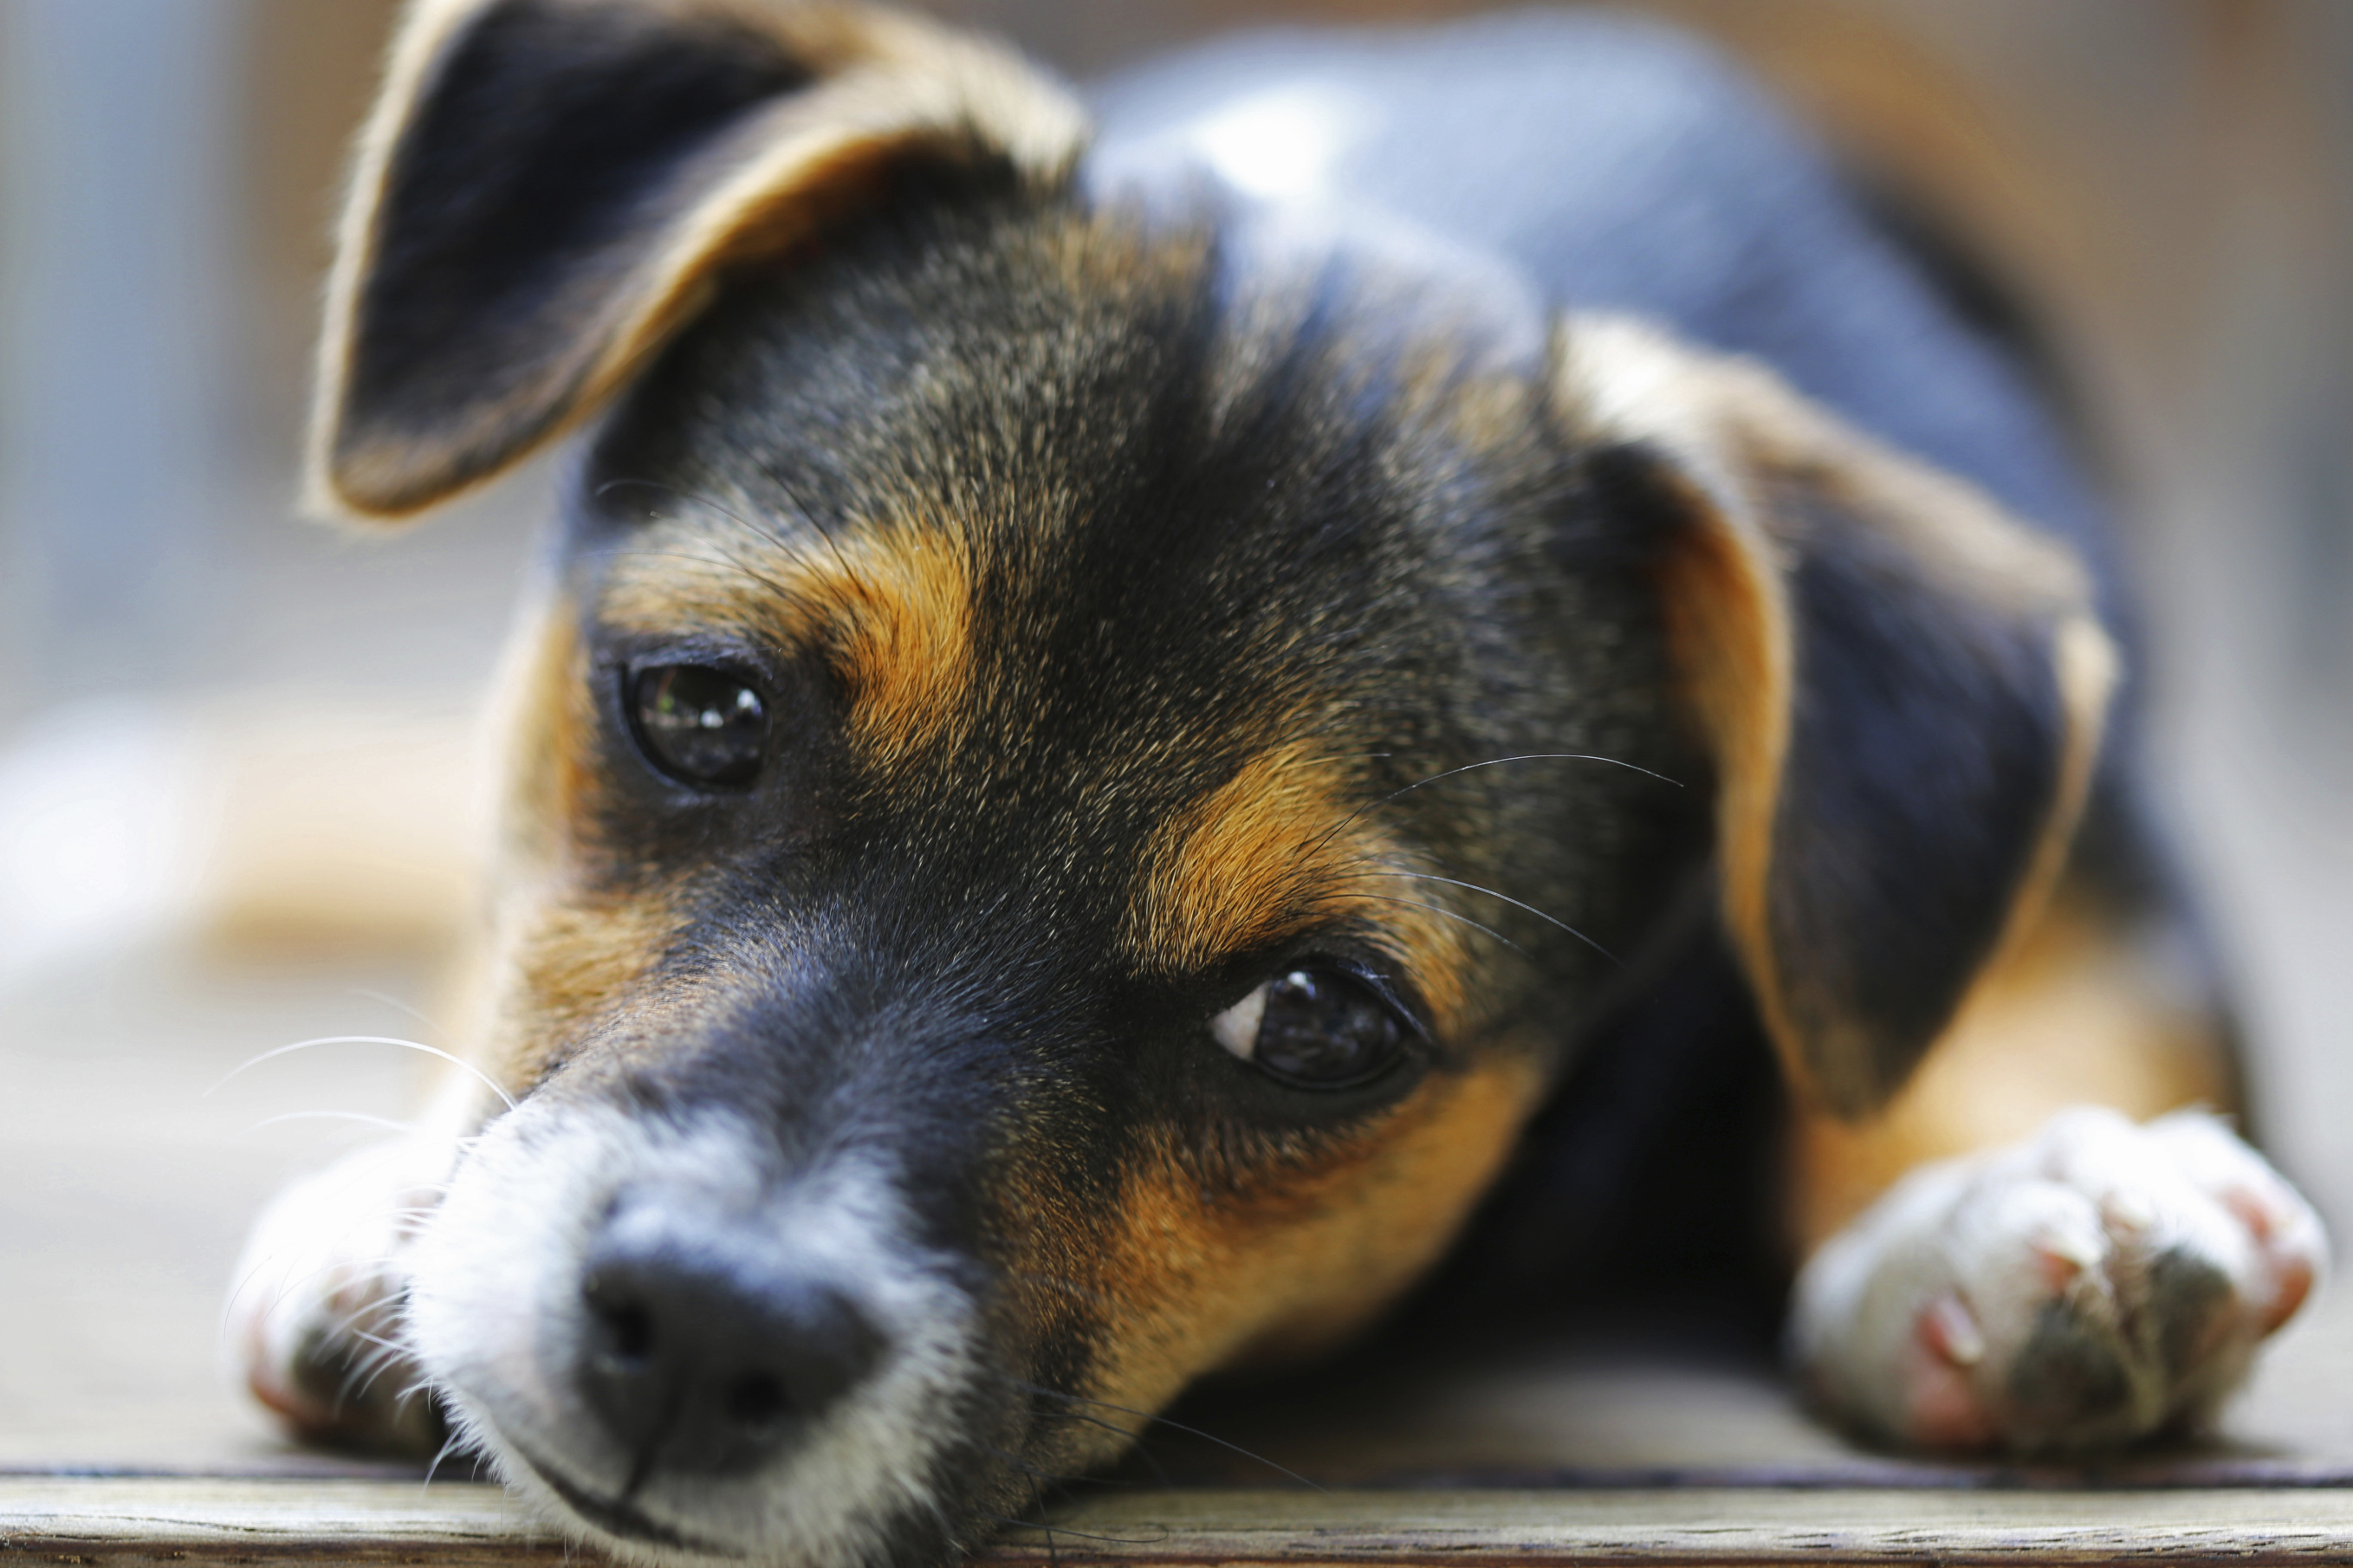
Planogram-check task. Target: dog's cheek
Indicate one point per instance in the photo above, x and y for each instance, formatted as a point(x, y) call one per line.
point(1212, 1274)
point(570, 968)
point(1050, 1312)
point(568, 941)
point(543, 728)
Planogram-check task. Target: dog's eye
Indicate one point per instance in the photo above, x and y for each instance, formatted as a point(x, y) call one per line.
point(700, 725)
point(1313, 1028)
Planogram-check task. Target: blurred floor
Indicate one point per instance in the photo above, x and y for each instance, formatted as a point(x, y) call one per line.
point(125, 1186)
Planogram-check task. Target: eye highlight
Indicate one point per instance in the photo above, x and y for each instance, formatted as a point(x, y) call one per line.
point(699, 724)
point(1313, 1028)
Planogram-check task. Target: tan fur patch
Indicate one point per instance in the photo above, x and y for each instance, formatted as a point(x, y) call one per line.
point(1232, 871)
point(1199, 1276)
point(1281, 845)
point(559, 959)
point(1727, 621)
point(891, 605)
point(569, 966)
point(2074, 1014)
point(906, 628)
point(544, 716)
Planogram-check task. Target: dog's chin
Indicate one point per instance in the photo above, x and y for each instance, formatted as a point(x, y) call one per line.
point(496, 1312)
point(758, 1520)
point(748, 1522)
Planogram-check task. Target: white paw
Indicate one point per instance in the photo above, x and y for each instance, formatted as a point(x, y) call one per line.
point(315, 1313)
point(2098, 1283)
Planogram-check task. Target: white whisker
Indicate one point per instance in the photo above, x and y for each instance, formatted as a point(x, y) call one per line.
point(488, 1082)
point(361, 1116)
point(1450, 914)
point(1531, 908)
point(393, 1001)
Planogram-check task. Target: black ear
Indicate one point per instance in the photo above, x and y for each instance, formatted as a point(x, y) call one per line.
point(1902, 686)
point(548, 188)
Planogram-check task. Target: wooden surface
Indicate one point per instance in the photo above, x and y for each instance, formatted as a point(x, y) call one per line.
point(91, 1521)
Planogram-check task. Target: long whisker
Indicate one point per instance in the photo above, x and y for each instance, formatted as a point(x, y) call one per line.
point(391, 1001)
point(286, 1288)
point(1042, 1390)
point(696, 498)
point(394, 1346)
point(487, 1081)
point(1490, 763)
point(1112, 1426)
point(384, 1121)
point(386, 1360)
point(389, 1360)
point(1544, 757)
point(781, 590)
point(349, 1323)
point(363, 1372)
point(1038, 1503)
point(766, 536)
point(447, 1448)
point(1053, 1530)
point(793, 497)
point(1450, 914)
point(1143, 1444)
point(1531, 908)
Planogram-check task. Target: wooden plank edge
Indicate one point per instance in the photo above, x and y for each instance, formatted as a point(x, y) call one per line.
point(187, 1522)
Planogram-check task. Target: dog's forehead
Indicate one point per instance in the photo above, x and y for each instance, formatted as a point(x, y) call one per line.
point(1099, 388)
point(1121, 571)
point(1060, 475)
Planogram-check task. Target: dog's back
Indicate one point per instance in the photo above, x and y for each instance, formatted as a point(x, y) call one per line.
point(1617, 166)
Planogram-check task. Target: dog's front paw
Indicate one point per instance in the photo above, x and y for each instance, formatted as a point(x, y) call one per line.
point(2098, 1283)
point(314, 1316)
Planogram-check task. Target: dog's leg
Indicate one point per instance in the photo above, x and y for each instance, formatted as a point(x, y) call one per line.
point(315, 1317)
point(2044, 1278)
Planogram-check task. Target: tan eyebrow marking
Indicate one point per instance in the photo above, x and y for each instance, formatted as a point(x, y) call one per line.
point(1282, 845)
point(890, 603)
point(905, 634)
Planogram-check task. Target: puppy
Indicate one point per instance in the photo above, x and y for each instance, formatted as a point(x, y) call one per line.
point(1124, 697)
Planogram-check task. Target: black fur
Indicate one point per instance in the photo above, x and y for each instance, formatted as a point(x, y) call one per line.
point(554, 141)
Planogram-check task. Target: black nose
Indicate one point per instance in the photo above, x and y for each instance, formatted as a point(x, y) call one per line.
point(706, 1348)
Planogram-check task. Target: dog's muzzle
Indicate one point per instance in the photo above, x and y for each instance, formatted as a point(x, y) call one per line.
point(646, 1326)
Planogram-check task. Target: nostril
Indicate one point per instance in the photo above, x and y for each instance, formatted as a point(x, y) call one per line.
point(625, 1335)
point(629, 1334)
point(756, 1401)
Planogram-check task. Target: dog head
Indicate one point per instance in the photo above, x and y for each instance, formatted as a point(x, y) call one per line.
point(1080, 761)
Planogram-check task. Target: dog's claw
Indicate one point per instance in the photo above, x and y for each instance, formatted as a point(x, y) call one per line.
point(2095, 1285)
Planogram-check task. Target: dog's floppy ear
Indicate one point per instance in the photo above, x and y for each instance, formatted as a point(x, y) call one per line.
point(549, 188)
point(1904, 690)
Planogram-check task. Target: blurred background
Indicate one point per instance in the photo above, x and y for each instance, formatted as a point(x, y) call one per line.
point(2168, 182)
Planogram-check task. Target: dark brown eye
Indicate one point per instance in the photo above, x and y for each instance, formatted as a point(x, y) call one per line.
point(1313, 1028)
point(699, 724)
